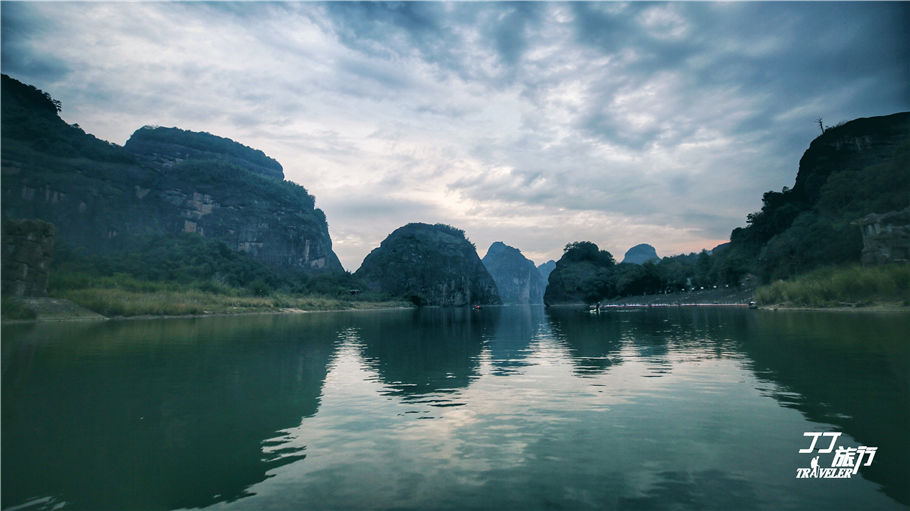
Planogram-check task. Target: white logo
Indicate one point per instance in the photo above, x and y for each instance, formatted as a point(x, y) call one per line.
point(845, 463)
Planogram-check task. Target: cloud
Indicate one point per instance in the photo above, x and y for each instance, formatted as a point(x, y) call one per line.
point(536, 124)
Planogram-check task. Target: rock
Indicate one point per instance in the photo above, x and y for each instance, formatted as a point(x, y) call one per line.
point(640, 254)
point(886, 237)
point(516, 277)
point(28, 248)
point(430, 265)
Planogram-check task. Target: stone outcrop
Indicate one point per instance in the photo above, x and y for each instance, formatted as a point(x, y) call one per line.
point(430, 265)
point(886, 237)
point(516, 277)
point(28, 248)
point(640, 254)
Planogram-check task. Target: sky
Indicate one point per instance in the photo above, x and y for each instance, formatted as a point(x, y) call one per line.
point(534, 124)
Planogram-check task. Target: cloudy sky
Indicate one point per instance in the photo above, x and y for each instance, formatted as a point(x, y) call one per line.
point(535, 124)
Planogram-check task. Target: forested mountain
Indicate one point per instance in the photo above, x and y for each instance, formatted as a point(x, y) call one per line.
point(583, 274)
point(430, 265)
point(106, 199)
point(851, 170)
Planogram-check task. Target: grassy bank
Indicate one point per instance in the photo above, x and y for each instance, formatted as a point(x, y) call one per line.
point(15, 309)
point(125, 295)
point(841, 286)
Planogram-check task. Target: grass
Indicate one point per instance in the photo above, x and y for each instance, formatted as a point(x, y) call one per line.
point(841, 286)
point(125, 295)
point(14, 309)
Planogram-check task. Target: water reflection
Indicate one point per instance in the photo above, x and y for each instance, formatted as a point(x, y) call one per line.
point(849, 370)
point(512, 408)
point(511, 342)
point(592, 341)
point(430, 351)
point(154, 414)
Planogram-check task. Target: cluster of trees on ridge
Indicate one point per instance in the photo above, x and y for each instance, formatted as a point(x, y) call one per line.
point(586, 273)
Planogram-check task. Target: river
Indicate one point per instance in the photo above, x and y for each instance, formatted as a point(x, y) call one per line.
point(502, 408)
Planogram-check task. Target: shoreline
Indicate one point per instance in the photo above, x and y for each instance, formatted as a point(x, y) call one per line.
point(837, 308)
point(92, 316)
point(53, 310)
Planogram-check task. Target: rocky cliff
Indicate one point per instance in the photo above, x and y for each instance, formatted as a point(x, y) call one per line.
point(545, 270)
point(168, 181)
point(28, 247)
point(853, 145)
point(430, 265)
point(640, 254)
point(516, 277)
point(848, 172)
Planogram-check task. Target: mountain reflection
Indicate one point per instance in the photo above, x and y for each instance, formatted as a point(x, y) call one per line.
point(592, 342)
point(850, 370)
point(534, 409)
point(154, 414)
point(510, 344)
point(424, 351)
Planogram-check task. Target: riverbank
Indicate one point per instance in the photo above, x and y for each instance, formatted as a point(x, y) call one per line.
point(720, 296)
point(841, 287)
point(48, 309)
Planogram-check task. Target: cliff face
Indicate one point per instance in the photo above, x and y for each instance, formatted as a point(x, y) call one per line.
point(28, 246)
point(101, 196)
point(853, 145)
point(640, 254)
point(516, 277)
point(431, 265)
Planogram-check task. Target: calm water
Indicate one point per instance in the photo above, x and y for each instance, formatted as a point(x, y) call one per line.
point(506, 408)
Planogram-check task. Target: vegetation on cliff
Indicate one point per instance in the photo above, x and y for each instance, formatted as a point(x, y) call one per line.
point(429, 265)
point(166, 146)
point(851, 170)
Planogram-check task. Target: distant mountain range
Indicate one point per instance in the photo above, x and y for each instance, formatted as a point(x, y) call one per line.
point(166, 184)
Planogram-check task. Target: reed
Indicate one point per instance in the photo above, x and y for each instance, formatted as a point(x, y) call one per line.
point(126, 295)
point(841, 285)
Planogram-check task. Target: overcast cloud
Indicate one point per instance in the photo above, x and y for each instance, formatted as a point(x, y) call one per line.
point(535, 124)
